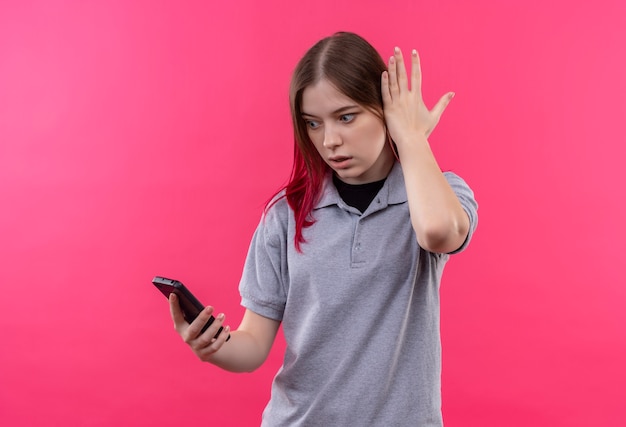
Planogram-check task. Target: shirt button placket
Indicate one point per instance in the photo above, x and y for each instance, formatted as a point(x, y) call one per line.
point(357, 248)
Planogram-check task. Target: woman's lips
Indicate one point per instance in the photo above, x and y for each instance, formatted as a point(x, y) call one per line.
point(340, 162)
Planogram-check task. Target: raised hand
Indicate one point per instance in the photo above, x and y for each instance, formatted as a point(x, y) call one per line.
point(406, 115)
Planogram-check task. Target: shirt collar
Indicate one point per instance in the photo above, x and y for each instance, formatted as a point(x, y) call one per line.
point(393, 191)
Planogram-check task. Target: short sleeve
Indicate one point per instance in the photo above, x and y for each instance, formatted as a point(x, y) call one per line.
point(466, 197)
point(263, 286)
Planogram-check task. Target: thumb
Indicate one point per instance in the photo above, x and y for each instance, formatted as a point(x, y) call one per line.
point(440, 107)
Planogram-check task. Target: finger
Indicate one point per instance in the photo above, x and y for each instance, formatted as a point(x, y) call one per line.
point(384, 86)
point(400, 69)
point(176, 312)
point(215, 345)
point(208, 337)
point(441, 105)
point(221, 337)
point(393, 79)
point(416, 72)
point(195, 328)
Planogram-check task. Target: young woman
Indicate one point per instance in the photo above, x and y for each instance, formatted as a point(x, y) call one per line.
point(348, 257)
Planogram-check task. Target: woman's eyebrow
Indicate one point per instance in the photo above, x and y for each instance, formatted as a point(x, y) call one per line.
point(336, 112)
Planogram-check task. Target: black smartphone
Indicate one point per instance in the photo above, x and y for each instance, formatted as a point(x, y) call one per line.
point(189, 304)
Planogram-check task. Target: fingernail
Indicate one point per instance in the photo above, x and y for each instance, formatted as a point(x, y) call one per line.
point(396, 49)
point(414, 52)
point(392, 60)
point(220, 316)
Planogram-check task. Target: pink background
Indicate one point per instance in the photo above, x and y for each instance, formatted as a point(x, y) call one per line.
point(143, 138)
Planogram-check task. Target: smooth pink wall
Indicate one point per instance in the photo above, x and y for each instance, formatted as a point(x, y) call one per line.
point(143, 138)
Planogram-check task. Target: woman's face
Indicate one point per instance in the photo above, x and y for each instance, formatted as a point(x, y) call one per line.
point(350, 138)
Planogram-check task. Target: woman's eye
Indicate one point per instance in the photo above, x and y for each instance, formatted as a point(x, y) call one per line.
point(346, 118)
point(312, 124)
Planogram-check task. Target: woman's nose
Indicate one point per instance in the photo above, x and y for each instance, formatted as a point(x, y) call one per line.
point(332, 138)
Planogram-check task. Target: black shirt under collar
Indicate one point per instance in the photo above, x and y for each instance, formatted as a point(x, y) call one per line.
point(358, 195)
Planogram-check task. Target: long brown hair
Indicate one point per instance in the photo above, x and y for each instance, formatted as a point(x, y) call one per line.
point(354, 67)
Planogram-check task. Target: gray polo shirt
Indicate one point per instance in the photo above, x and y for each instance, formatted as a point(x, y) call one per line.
point(359, 310)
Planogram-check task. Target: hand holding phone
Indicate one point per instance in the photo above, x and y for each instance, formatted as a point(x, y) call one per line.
point(189, 304)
